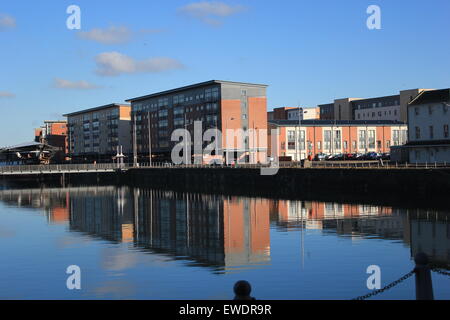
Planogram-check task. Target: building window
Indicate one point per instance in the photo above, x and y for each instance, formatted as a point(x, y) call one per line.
point(345, 145)
point(291, 140)
point(327, 140)
point(417, 133)
point(430, 110)
point(354, 144)
point(337, 139)
point(362, 139)
point(388, 144)
point(319, 145)
point(302, 140)
point(416, 110)
point(446, 131)
point(372, 139)
point(431, 132)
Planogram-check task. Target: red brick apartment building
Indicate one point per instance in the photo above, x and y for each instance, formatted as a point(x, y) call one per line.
point(221, 105)
point(299, 140)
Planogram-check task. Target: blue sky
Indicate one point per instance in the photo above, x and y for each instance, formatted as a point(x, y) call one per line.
point(308, 52)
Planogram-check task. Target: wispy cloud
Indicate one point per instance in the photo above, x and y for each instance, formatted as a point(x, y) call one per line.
point(7, 22)
point(6, 94)
point(77, 85)
point(210, 12)
point(113, 34)
point(115, 63)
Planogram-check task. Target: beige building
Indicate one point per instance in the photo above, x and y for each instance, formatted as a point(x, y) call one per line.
point(393, 108)
point(95, 134)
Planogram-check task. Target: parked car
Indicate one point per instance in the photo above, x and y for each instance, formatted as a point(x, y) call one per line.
point(349, 156)
point(320, 157)
point(386, 156)
point(338, 157)
point(372, 156)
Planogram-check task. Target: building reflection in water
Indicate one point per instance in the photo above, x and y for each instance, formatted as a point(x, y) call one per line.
point(210, 230)
point(225, 233)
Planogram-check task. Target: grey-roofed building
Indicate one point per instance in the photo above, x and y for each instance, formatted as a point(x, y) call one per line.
point(428, 126)
point(217, 104)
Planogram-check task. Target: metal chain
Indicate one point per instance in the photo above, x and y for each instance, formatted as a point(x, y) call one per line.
point(441, 272)
point(389, 286)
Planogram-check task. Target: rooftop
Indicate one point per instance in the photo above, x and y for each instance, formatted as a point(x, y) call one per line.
point(111, 105)
point(55, 121)
point(294, 123)
point(442, 95)
point(197, 85)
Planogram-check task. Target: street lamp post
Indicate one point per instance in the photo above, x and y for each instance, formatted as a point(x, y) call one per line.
point(134, 141)
point(149, 139)
point(226, 139)
point(185, 139)
point(300, 116)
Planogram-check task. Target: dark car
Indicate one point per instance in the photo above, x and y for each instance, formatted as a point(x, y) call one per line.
point(320, 157)
point(349, 156)
point(372, 156)
point(386, 156)
point(338, 157)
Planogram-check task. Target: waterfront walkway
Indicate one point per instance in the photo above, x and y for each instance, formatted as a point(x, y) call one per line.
point(113, 167)
point(60, 168)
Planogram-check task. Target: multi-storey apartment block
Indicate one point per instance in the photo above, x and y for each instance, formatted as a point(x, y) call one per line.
point(221, 105)
point(311, 137)
point(95, 134)
point(428, 124)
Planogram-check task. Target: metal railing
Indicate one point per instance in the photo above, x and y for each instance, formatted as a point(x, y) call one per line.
point(378, 164)
point(313, 164)
point(61, 168)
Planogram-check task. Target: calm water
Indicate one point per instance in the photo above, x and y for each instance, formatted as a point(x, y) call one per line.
point(150, 244)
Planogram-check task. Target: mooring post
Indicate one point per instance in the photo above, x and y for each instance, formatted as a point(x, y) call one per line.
point(242, 290)
point(424, 284)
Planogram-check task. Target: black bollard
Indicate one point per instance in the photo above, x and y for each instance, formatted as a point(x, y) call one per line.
point(242, 290)
point(424, 284)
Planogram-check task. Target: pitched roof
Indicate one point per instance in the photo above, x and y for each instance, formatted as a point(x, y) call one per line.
point(432, 96)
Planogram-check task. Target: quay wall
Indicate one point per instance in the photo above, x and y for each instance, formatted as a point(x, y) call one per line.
point(415, 187)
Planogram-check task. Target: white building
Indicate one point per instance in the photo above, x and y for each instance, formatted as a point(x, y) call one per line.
point(428, 127)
